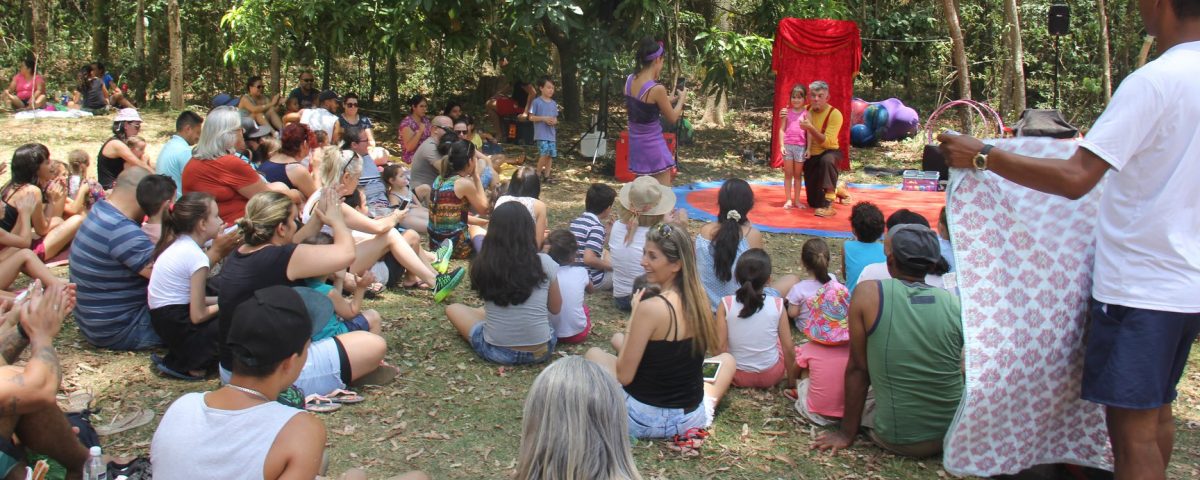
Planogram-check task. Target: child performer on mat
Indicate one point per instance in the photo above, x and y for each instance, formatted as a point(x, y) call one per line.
point(793, 142)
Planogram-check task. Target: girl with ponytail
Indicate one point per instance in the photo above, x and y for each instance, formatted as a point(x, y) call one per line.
point(752, 326)
point(720, 243)
point(180, 312)
point(815, 257)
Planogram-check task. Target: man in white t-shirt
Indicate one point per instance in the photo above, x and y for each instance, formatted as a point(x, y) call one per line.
point(1145, 312)
point(324, 117)
point(879, 271)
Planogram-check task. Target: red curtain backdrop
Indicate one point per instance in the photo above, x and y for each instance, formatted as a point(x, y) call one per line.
point(807, 50)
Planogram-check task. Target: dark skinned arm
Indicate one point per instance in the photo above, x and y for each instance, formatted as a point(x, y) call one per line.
point(863, 306)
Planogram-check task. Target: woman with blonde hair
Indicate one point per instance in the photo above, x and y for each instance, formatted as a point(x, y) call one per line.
point(660, 355)
point(572, 406)
point(376, 237)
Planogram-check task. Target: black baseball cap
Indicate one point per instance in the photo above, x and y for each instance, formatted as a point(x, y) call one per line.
point(328, 95)
point(914, 244)
point(250, 129)
point(272, 325)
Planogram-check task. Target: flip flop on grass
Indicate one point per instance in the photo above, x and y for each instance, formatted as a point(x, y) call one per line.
point(319, 404)
point(128, 419)
point(169, 372)
point(345, 397)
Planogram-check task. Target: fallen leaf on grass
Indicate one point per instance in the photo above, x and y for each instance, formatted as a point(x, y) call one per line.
point(413, 455)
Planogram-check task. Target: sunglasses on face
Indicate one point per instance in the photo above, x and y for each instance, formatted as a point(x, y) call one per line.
point(306, 80)
point(351, 104)
point(296, 221)
point(460, 131)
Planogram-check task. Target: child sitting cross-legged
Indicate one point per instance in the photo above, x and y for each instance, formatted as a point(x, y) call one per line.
point(574, 321)
point(820, 310)
point(347, 315)
point(180, 312)
point(753, 326)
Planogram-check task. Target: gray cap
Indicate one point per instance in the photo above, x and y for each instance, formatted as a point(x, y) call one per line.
point(914, 244)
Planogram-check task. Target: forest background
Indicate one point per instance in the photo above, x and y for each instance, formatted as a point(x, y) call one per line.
point(924, 52)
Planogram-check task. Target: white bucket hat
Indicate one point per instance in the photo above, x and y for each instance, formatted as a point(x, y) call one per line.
point(645, 196)
point(127, 115)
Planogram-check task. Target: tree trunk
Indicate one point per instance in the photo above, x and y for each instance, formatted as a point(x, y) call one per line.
point(1105, 57)
point(39, 28)
point(960, 57)
point(393, 87)
point(276, 75)
point(715, 107)
point(571, 93)
point(327, 58)
point(176, 41)
point(100, 12)
point(139, 52)
point(372, 72)
point(1016, 92)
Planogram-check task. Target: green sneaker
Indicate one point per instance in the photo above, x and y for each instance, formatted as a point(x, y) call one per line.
point(444, 251)
point(446, 283)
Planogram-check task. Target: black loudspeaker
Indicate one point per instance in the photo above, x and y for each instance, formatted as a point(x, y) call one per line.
point(1060, 19)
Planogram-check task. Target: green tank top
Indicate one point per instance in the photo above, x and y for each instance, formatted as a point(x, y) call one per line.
point(914, 355)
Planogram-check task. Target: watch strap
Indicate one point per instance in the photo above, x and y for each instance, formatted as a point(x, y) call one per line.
point(986, 149)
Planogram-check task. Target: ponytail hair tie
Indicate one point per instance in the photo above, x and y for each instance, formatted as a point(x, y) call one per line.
point(171, 207)
point(733, 215)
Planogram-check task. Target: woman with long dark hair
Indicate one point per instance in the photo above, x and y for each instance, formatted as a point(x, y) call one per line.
point(33, 201)
point(647, 100)
point(519, 288)
point(415, 128)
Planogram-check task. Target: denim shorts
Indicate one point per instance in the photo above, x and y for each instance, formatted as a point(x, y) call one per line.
point(1135, 357)
point(648, 421)
point(505, 355)
point(794, 153)
point(322, 372)
point(358, 324)
point(547, 148)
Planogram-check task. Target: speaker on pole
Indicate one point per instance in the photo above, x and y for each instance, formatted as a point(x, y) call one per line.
point(1060, 19)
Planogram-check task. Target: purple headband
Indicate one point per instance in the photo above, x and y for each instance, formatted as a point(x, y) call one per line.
point(656, 54)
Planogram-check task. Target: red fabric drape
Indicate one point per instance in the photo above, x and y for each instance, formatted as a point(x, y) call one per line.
point(807, 50)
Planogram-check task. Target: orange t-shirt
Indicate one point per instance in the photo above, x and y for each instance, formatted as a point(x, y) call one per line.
point(221, 177)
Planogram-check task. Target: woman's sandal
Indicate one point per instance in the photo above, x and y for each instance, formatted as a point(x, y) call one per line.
point(319, 404)
point(127, 419)
point(374, 290)
point(344, 397)
point(788, 205)
point(689, 443)
point(416, 284)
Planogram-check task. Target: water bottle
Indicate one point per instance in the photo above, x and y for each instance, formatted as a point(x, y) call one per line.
point(95, 469)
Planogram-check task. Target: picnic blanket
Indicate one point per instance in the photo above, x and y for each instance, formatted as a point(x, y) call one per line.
point(1024, 271)
point(31, 114)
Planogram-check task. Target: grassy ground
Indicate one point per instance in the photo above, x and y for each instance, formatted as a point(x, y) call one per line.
point(455, 416)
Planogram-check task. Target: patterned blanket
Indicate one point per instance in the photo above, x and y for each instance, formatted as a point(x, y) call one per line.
point(1024, 263)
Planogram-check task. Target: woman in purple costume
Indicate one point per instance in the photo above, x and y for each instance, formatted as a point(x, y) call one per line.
point(648, 152)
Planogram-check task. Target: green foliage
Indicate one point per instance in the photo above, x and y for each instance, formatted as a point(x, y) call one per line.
point(728, 59)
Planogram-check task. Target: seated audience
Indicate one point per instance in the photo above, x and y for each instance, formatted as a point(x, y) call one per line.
point(343, 315)
point(253, 134)
point(180, 311)
point(178, 150)
point(271, 254)
point(590, 230)
point(110, 265)
point(415, 129)
point(238, 430)
point(304, 95)
point(573, 322)
point(453, 196)
point(719, 244)
point(352, 117)
point(90, 95)
point(753, 326)
point(35, 424)
point(323, 117)
point(217, 170)
point(115, 155)
point(519, 288)
point(819, 305)
point(814, 255)
point(525, 188)
point(376, 237)
point(573, 426)
point(356, 144)
point(906, 343)
point(426, 159)
point(33, 187)
point(26, 91)
point(880, 271)
point(660, 356)
point(295, 143)
point(944, 239)
point(116, 96)
point(154, 195)
point(400, 197)
point(866, 222)
point(82, 190)
point(643, 203)
point(256, 106)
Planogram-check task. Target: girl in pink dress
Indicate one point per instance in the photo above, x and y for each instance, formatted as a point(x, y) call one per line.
point(793, 142)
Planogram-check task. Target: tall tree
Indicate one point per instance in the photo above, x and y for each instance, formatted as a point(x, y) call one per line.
point(176, 49)
point(959, 53)
point(100, 21)
point(1106, 59)
point(1016, 87)
point(39, 27)
point(139, 51)
point(572, 95)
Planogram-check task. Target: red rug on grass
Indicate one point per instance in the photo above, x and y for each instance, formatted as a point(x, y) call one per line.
point(768, 215)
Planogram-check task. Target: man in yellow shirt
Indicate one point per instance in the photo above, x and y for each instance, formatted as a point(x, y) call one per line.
point(821, 168)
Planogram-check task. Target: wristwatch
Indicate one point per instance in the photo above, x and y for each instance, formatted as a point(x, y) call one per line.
point(982, 157)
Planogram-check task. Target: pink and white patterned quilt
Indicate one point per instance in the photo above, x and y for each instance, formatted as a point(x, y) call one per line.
point(1024, 271)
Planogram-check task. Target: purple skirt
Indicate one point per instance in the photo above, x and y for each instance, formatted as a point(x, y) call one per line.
point(648, 152)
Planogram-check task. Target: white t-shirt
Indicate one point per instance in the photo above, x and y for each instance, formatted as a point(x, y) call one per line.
point(319, 119)
point(879, 271)
point(799, 295)
point(306, 215)
point(572, 285)
point(1147, 251)
point(171, 278)
point(754, 341)
point(626, 259)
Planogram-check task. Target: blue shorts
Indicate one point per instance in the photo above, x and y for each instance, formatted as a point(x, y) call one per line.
point(505, 355)
point(547, 148)
point(357, 324)
point(1136, 357)
point(648, 421)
